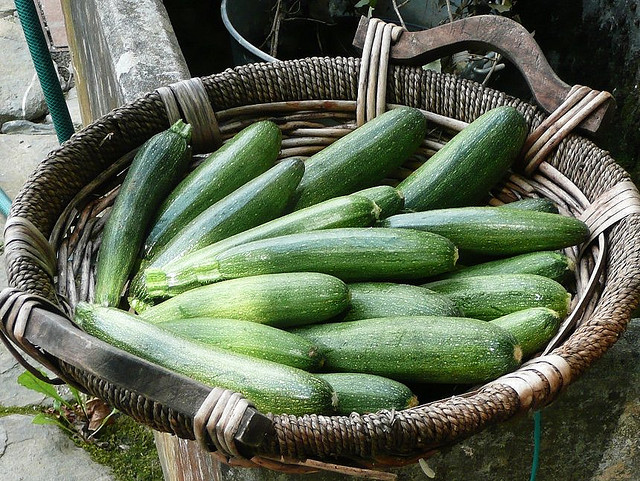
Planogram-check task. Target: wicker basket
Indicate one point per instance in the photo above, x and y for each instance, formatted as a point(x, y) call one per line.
point(53, 233)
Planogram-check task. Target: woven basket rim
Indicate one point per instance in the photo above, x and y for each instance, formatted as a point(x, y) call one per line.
point(101, 139)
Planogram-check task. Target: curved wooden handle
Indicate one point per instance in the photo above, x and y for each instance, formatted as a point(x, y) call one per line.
point(495, 33)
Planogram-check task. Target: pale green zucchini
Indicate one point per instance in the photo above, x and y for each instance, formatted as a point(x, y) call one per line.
point(272, 387)
point(533, 328)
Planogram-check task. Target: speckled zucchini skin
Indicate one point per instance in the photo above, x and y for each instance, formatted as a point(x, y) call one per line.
point(362, 158)
point(250, 338)
point(469, 165)
point(387, 299)
point(272, 387)
point(351, 254)
point(496, 231)
point(533, 328)
point(551, 264)
point(248, 154)
point(492, 296)
point(423, 349)
point(280, 300)
point(154, 171)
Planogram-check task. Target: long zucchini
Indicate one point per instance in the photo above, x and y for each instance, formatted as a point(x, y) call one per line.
point(362, 158)
point(194, 269)
point(488, 297)
point(248, 154)
point(280, 300)
point(272, 387)
point(386, 299)
point(258, 201)
point(154, 171)
point(250, 338)
point(389, 199)
point(496, 231)
point(469, 165)
point(424, 349)
point(368, 393)
point(351, 254)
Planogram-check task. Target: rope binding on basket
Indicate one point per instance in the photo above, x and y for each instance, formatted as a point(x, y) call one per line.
point(188, 100)
point(372, 81)
point(15, 312)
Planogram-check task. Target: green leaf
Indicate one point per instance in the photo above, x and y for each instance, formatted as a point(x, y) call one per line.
point(28, 380)
point(363, 3)
point(43, 418)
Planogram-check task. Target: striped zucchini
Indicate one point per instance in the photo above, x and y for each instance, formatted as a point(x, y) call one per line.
point(488, 297)
point(368, 393)
point(496, 231)
point(469, 165)
point(533, 328)
point(386, 299)
point(154, 171)
point(351, 254)
point(250, 338)
point(279, 300)
point(194, 269)
point(551, 264)
point(272, 387)
point(248, 154)
point(362, 158)
point(422, 349)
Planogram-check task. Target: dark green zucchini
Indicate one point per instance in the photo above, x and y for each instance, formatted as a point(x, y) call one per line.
point(386, 197)
point(422, 349)
point(533, 328)
point(154, 171)
point(496, 231)
point(194, 269)
point(351, 254)
point(551, 264)
point(386, 299)
point(280, 300)
point(469, 165)
point(362, 158)
point(248, 154)
point(250, 338)
point(488, 297)
point(368, 393)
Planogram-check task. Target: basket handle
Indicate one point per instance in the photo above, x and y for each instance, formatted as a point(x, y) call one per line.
point(500, 34)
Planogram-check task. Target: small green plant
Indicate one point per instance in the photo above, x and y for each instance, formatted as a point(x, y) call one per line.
point(79, 416)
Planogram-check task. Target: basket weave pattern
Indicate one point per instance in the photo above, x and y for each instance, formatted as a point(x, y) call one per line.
point(384, 438)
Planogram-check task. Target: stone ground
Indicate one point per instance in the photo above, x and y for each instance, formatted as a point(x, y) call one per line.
point(589, 434)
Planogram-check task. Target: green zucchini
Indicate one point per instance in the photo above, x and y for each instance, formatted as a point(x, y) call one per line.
point(533, 328)
point(386, 197)
point(194, 269)
point(272, 387)
point(351, 254)
point(551, 264)
point(496, 231)
point(488, 297)
point(541, 204)
point(368, 393)
point(280, 300)
point(154, 171)
point(250, 338)
point(362, 158)
point(248, 154)
point(386, 299)
point(421, 349)
point(256, 202)
point(469, 165)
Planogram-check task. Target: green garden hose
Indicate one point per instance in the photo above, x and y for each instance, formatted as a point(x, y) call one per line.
point(47, 75)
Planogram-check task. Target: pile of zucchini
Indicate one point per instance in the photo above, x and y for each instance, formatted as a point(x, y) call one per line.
point(311, 287)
